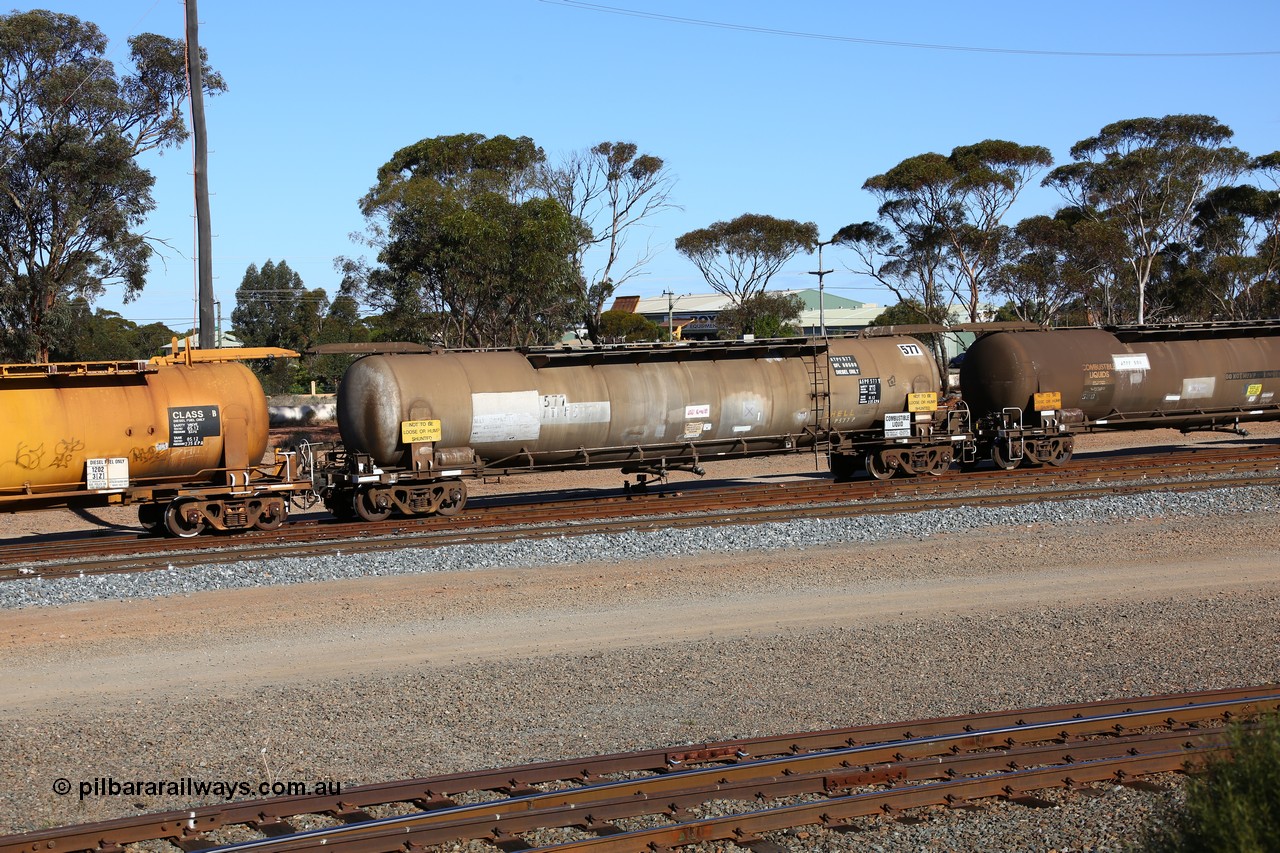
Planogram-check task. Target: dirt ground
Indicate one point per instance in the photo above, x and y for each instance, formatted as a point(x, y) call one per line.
point(243, 639)
point(395, 677)
point(252, 637)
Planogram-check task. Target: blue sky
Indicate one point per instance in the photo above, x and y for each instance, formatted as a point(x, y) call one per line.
point(777, 109)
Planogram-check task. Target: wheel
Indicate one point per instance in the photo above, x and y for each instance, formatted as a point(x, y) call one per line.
point(1000, 455)
point(1062, 451)
point(372, 505)
point(877, 467)
point(151, 517)
point(455, 499)
point(275, 520)
point(178, 523)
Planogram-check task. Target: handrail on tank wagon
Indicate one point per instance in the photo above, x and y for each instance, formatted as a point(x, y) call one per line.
point(938, 328)
point(542, 356)
point(75, 369)
point(1123, 332)
point(1203, 331)
point(190, 356)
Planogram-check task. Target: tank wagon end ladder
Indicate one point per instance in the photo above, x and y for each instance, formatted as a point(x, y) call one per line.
point(820, 378)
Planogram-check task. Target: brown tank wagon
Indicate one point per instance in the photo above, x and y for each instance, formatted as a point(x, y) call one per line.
point(415, 425)
point(182, 442)
point(1034, 390)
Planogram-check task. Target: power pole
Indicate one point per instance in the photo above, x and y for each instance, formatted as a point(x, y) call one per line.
point(204, 238)
point(671, 328)
point(820, 272)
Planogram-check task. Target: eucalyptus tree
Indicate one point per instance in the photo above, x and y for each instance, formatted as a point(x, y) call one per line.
point(737, 258)
point(1237, 244)
point(1146, 177)
point(910, 262)
point(275, 309)
point(469, 252)
point(765, 315)
point(609, 189)
point(1063, 268)
point(104, 335)
point(618, 327)
point(952, 207)
point(72, 194)
point(342, 324)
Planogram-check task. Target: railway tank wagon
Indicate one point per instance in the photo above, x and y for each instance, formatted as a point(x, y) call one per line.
point(415, 425)
point(182, 442)
point(1031, 391)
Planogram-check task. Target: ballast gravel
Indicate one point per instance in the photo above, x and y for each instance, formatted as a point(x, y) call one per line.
point(459, 715)
point(636, 545)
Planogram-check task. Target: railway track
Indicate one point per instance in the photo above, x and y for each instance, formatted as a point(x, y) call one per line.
point(739, 791)
point(513, 518)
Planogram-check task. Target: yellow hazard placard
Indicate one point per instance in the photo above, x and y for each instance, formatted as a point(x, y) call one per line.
point(923, 402)
point(414, 431)
point(1048, 400)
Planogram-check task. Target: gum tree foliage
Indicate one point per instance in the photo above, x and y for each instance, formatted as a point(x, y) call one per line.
point(1146, 178)
point(617, 327)
point(469, 253)
point(939, 227)
point(71, 191)
point(104, 335)
point(908, 262)
point(275, 309)
point(1063, 269)
point(1237, 244)
point(913, 312)
point(765, 315)
point(738, 258)
point(609, 190)
point(908, 312)
point(342, 324)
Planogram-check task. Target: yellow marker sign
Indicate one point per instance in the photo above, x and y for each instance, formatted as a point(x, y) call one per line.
point(925, 402)
point(1048, 400)
point(414, 431)
point(1254, 390)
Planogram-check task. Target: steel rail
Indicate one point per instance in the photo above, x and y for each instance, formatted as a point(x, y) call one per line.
point(868, 744)
point(943, 757)
point(745, 505)
point(520, 508)
point(746, 829)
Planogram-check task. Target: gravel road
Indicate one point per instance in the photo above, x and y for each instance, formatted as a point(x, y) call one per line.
point(361, 669)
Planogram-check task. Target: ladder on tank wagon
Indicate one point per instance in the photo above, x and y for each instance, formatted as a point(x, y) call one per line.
point(819, 375)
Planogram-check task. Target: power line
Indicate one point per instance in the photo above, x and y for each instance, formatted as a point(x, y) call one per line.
point(723, 25)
